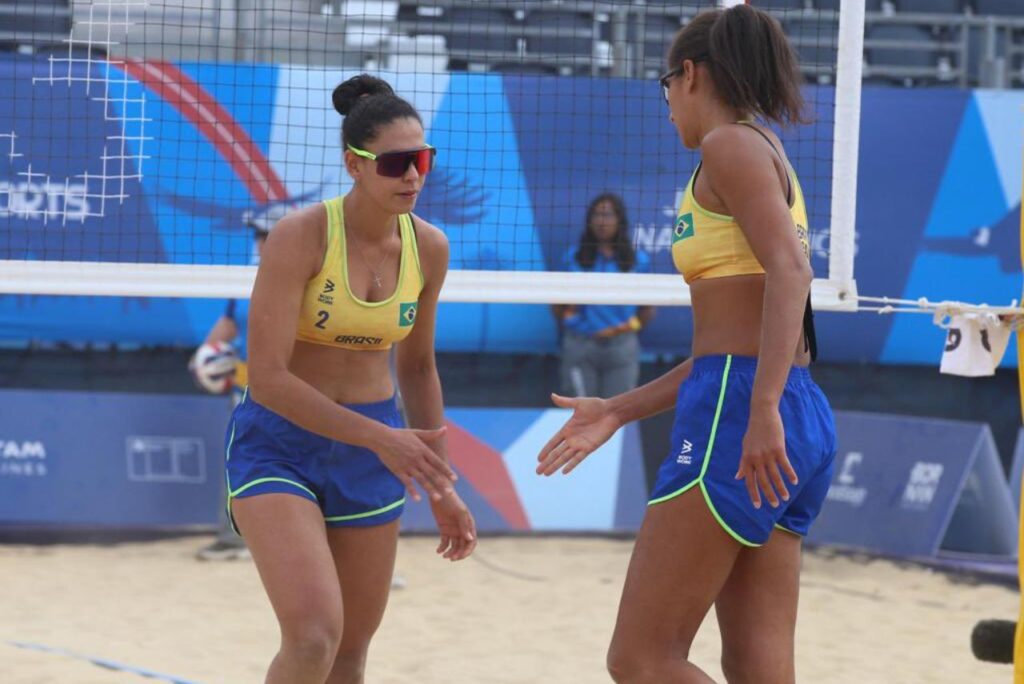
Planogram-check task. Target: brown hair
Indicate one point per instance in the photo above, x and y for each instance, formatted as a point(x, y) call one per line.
point(368, 103)
point(625, 255)
point(751, 62)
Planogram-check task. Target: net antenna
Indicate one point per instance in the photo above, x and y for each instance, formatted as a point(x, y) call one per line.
point(120, 71)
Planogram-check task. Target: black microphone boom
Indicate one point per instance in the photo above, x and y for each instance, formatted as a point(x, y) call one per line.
point(992, 640)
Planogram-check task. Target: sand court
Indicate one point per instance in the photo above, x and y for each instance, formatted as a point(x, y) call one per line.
point(528, 610)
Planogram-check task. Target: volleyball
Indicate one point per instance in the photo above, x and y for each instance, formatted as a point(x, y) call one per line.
point(213, 367)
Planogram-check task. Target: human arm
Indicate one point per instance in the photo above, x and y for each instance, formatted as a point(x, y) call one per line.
point(595, 420)
point(416, 371)
point(745, 178)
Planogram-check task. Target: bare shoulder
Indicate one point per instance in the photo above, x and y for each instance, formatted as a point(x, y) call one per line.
point(429, 236)
point(433, 247)
point(729, 145)
point(299, 237)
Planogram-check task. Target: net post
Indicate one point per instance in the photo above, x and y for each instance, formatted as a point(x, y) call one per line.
point(846, 144)
point(1018, 642)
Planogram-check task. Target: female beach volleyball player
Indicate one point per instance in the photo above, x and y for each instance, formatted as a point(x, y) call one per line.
point(751, 426)
point(318, 463)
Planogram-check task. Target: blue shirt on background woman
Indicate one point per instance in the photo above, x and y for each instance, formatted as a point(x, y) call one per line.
point(600, 345)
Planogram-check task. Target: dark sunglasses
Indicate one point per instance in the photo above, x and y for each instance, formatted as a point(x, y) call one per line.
point(395, 164)
point(672, 73)
point(665, 78)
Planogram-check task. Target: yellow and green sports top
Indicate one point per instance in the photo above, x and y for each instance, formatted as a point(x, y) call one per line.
point(710, 245)
point(332, 315)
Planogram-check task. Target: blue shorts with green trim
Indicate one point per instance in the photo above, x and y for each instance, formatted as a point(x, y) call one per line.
point(712, 413)
point(267, 453)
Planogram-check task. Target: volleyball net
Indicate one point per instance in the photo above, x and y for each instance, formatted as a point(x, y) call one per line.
point(141, 138)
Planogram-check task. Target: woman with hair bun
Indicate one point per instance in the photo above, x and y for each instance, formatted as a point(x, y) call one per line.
point(318, 461)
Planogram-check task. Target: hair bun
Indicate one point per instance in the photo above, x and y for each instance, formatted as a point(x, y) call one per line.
point(347, 94)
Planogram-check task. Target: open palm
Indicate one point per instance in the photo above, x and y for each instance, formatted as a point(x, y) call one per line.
point(591, 425)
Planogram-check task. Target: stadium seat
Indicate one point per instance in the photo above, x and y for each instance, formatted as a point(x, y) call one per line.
point(416, 13)
point(481, 29)
point(659, 30)
point(1013, 8)
point(521, 68)
point(978, 71)
point(376, 10)
point(918, 65)
point(833, 5)
point(417, 54)
point(573, 33)
point(895, 56)
point(40, 22)
point(783, 4)
point(814, 40)
point(930, 6)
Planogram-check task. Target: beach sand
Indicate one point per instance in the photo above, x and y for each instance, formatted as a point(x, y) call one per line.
point(526, 610)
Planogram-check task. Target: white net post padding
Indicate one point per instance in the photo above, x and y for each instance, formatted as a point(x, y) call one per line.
point(846, 146)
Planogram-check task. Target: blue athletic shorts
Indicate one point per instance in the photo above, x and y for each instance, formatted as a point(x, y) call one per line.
point(267, 453)
point(712, 413)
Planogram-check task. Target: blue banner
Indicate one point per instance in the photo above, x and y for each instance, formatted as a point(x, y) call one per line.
point(159, 162)
point(912, 486)
point(903, 486)
point(90, 459)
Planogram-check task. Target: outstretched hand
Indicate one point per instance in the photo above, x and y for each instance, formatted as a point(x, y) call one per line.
point(591, 425)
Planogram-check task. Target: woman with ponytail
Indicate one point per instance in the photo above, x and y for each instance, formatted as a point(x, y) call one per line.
point(318, 462)
point(753, 442)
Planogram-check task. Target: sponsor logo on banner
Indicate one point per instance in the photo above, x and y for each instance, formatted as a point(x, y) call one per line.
point(29, 200)
point(22, 458)
point(166, 459)
point(844, 489)
point(922, 485)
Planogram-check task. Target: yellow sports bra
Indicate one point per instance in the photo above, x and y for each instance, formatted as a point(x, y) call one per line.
point(332, 315)
point(710, 245)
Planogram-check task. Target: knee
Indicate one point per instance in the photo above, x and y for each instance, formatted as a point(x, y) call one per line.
point(349, 667)
point(314, 641)
point(749, 668)
point(629, 667)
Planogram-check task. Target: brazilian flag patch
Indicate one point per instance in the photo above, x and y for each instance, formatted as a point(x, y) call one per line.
point(683, 228)
point(406, 314)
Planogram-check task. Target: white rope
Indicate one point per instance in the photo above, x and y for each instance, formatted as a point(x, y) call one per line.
point(945, 307)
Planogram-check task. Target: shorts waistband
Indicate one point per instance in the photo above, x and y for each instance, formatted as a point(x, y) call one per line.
point(716, 363)
point(371, 409)
point(375, 408)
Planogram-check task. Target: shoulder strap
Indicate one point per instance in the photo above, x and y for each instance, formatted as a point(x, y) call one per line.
point(408, 226)
point(335, 230)
point(693, 179)
point(789, 178)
